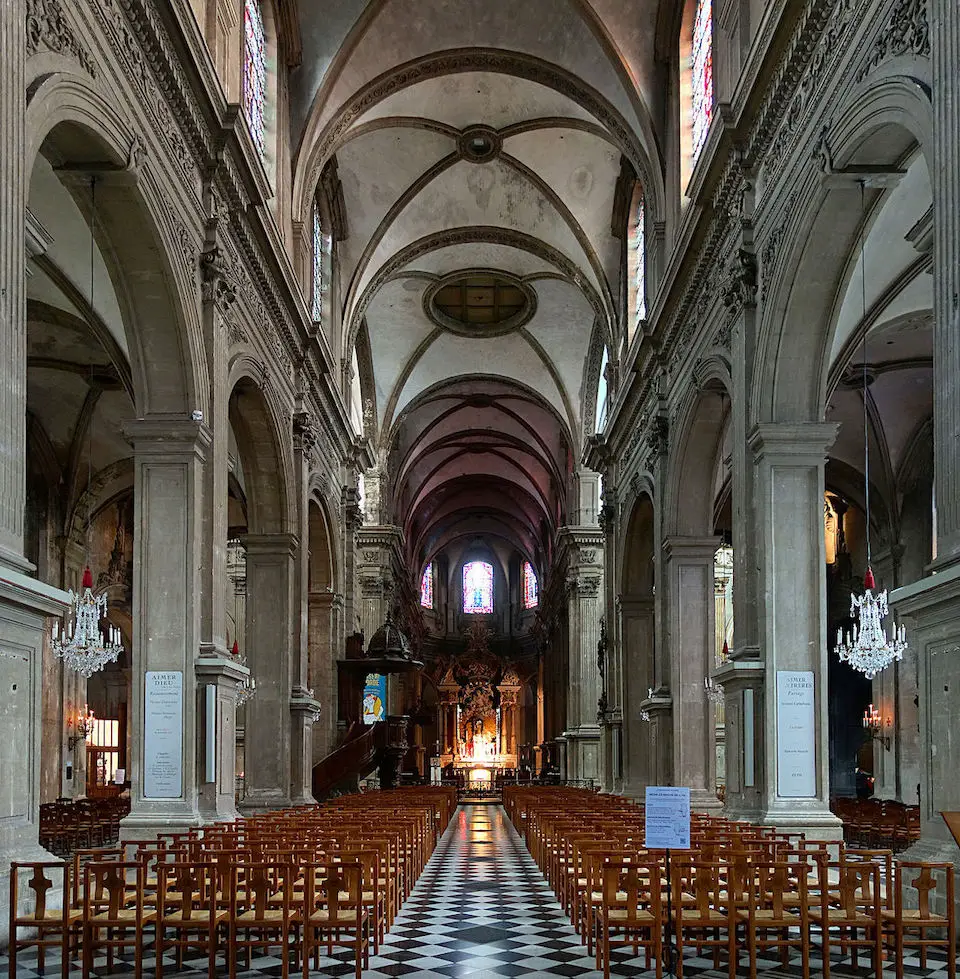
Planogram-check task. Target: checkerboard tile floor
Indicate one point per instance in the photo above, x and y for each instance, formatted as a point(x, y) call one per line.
point(482, 909)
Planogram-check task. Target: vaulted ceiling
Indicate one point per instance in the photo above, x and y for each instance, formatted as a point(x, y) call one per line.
point(482, 138)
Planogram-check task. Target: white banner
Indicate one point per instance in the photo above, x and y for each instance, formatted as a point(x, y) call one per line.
point(163, 734)
point(796, 735)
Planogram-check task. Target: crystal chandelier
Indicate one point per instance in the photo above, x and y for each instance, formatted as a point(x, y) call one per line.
point(867, 647)
point(247, 687)
point(80, 644)
point(713, 690)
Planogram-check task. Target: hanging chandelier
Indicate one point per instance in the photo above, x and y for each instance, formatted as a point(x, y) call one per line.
point(867, 648)
point(80, 644)
point(247, 687)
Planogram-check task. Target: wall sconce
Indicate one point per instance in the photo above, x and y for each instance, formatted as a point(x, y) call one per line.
point(84, 725)
point(874, 723)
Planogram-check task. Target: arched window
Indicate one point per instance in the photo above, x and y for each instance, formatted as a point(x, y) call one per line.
point(318, 249)
point(701, 74)
point(426, 586)
point(254, 70)
point(531, 587)
point(477, 587)
point(601, 418)
point(636, 263)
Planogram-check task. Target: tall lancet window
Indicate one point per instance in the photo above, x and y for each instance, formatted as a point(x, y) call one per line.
point(426, 586)
point(701, 74)
point(477, 587)
point(254, 70)
point(318, 246)
point(531, 587)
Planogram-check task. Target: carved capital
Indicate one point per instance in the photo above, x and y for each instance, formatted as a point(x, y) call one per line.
point(740, 284)
point(217, 284)
point(306, 436)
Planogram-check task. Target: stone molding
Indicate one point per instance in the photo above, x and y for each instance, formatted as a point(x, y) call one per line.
point(47, 25)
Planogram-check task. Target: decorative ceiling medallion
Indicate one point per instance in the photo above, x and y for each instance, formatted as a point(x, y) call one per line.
point(480, 303)
point(478, 144)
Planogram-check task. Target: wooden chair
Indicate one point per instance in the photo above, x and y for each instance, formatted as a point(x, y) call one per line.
point(703, 908)
point(909, 927)
point(630, 907)
point(855, 907)
point(255, 918)
point(776, 914)
point(49, 926)
point(114, 915)
point(333, 909)
point(191, 905)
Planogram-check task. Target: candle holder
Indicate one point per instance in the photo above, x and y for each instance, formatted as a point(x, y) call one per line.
point(874, 724)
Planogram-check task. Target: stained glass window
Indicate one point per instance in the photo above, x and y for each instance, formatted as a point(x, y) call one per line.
point(317, 266)
point(254, 69)
point(640, 266)
point(701, 74)
point(477, 587)
point(426, 586)
point(531, 587)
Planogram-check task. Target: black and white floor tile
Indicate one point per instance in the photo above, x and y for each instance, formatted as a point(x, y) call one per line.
point(481, 909)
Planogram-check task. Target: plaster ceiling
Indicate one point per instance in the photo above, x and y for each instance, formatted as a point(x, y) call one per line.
point(391, 89)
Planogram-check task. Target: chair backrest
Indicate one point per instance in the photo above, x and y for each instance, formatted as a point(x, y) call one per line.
point(45, 874)
point(921, 877)
point(630, 887)
point(109, 887)
point(253, 884)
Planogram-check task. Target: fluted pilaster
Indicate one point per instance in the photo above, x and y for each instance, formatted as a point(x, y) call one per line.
point(13, 379)
point(945, 51)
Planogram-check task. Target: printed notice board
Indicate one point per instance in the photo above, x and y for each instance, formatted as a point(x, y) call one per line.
point(163, 734)
point(796, 740)
point(668, 817)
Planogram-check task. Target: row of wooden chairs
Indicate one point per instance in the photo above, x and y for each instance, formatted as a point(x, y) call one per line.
point(297, 879)
point(878, 823)
point(739, 885)
point(68, 825)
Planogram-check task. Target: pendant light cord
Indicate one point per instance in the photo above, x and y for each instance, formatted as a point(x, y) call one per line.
point(93, 218)
point(863, 299)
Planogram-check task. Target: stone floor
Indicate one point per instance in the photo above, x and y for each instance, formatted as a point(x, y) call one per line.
point(481, 908)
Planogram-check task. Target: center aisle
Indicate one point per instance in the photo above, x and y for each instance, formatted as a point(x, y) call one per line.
point(481, 908)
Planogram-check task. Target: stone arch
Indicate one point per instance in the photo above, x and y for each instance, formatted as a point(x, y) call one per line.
point(70, 118)
point(264, 456)
point(880, 123)
point(695, 444)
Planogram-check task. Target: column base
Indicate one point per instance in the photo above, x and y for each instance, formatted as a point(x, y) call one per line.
point(148, 822)
point(583, 752)
point(815, 824)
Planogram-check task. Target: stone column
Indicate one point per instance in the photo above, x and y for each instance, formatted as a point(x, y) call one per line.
point(13, 326)
point(690, 637)
point(637, 630)
point(322, 678)
point(945, 53)
point(169, 457)
point(791, 603)
point(217, 799)
point(583, 547)
point(304, 709)
point(268, 746)
point(930, 608)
